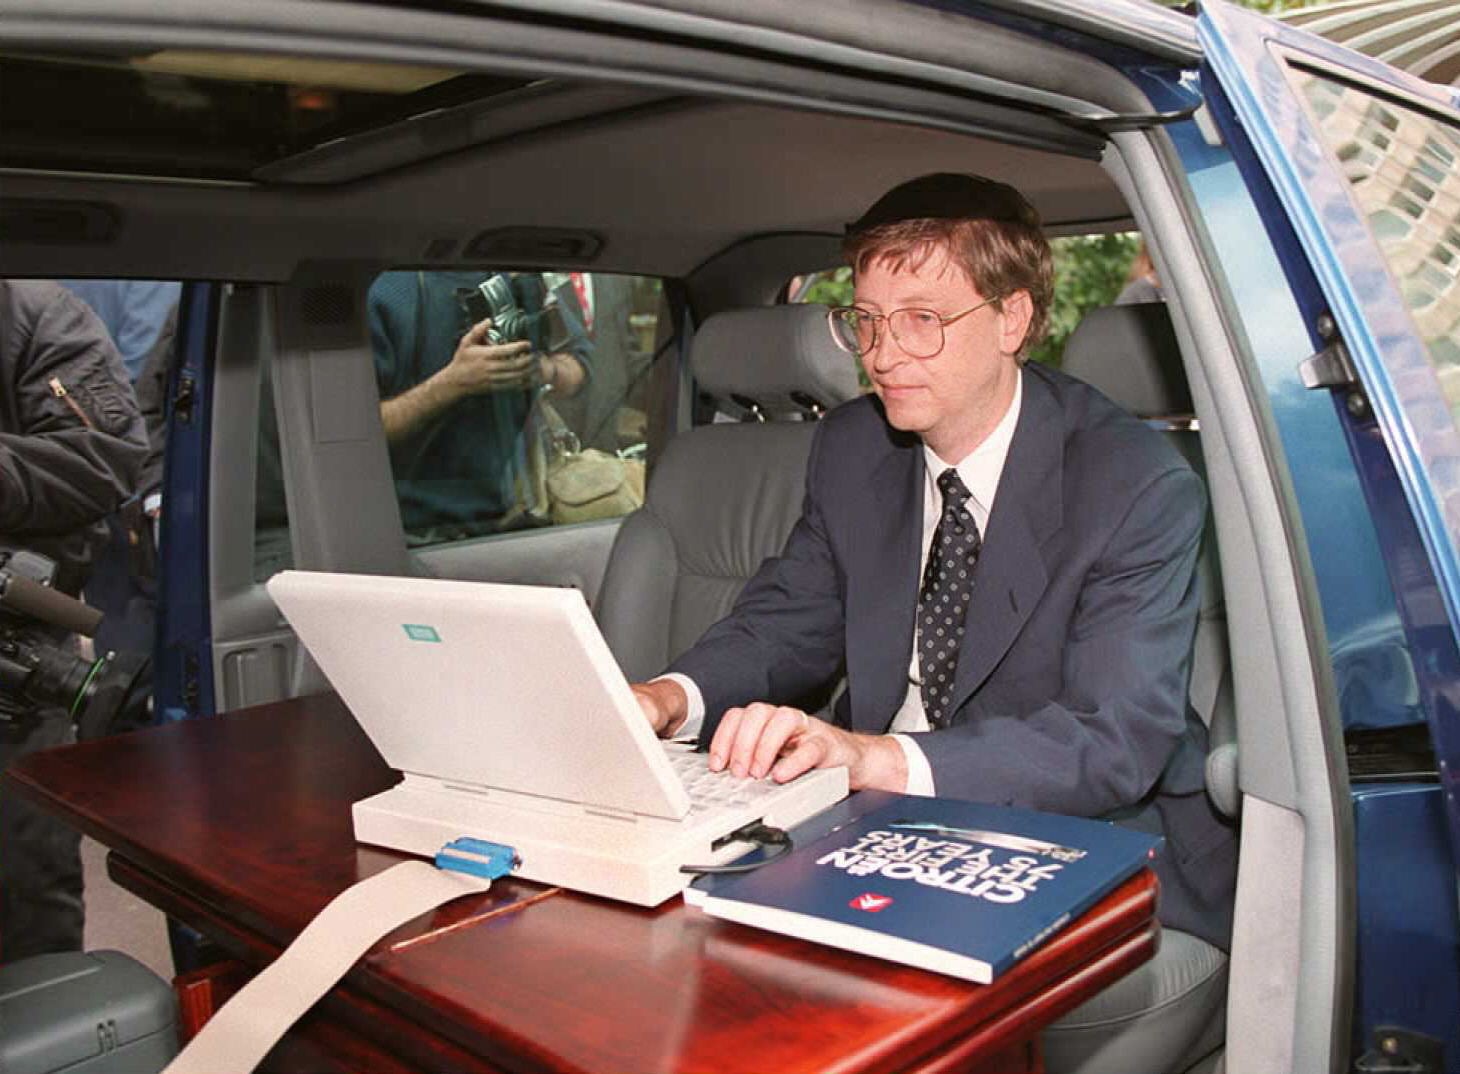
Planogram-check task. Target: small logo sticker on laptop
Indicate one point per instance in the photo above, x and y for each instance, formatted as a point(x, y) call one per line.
point(421, 632)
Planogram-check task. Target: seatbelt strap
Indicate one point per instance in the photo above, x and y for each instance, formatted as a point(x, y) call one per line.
point(239, 1035)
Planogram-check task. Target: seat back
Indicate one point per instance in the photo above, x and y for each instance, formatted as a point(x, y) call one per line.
point(722, 497)
point(1130, 354)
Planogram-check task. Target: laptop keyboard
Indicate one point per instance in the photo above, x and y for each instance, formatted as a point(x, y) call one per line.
point(715, 790)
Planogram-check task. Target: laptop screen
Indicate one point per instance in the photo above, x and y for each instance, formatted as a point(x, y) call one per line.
point(484, 685)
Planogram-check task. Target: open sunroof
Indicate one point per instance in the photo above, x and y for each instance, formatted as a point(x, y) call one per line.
point(205, 115)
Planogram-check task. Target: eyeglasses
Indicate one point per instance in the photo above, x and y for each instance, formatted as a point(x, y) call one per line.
point(918, 332)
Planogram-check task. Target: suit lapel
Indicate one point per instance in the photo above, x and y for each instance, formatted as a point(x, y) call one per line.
point(1011, 574)
point(891, 591)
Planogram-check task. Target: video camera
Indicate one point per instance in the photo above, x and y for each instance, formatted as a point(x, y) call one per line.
point(39, 667)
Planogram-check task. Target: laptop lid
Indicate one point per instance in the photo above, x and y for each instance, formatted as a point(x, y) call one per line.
point(484, 685)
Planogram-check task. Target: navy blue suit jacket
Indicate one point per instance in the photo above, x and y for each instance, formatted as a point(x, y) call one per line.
point(1071, 688)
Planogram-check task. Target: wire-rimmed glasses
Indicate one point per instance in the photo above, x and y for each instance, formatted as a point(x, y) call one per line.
point(918, 331)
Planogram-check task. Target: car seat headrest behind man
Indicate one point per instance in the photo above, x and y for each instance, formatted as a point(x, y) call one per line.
point(1130, 353)
point(781, 358)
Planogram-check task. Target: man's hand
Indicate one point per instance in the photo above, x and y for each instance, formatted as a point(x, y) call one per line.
point(763, 739)
point(664, 703)
point(479, 366)
point(476, 367)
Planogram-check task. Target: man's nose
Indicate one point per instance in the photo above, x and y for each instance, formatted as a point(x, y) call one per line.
point(885, 353)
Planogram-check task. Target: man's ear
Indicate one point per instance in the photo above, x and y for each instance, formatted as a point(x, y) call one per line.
point(1018, 311)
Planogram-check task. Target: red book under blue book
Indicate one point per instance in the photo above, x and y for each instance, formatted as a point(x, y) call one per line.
point(954, 887)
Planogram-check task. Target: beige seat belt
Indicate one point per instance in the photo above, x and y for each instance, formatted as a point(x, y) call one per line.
point(236, 1038)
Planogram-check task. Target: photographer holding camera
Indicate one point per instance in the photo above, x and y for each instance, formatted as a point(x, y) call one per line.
point(72, 443)
point(459, 359)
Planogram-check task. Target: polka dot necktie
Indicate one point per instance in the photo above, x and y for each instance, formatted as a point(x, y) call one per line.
point(943, 599)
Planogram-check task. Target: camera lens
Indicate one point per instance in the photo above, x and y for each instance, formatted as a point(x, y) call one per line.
point(61, 678)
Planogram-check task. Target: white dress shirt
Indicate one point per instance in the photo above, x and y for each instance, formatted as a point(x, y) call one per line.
point(980, 472)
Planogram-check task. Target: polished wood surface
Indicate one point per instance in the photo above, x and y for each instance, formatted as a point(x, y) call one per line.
point(240, 826)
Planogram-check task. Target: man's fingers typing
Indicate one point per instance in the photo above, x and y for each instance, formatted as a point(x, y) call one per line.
point(781, 727)
point(808, 750)
point(749, 740)
point(724, 738)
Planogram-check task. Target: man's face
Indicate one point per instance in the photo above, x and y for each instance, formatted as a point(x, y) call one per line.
point(954, 399)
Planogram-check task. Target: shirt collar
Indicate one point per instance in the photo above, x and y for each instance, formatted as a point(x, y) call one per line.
point(981, 469)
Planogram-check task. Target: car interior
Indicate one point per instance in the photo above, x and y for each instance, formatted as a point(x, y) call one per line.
point(711, 158)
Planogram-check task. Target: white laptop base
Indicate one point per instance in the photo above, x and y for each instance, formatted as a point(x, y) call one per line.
point(631, 858)
point(511, 722)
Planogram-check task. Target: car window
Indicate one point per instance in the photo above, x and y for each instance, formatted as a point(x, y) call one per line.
point(1403, 166)
point(512, 400)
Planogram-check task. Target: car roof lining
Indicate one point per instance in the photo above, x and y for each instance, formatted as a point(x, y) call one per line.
point(643, 182)
point(627, 157)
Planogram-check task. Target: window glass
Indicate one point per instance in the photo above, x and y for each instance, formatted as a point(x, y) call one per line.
point(513, 400)
point(1411, 196)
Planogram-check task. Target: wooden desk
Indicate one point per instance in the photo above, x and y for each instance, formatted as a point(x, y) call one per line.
point(239, 825)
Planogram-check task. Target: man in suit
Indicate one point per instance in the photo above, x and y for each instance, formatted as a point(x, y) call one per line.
point(998, 559)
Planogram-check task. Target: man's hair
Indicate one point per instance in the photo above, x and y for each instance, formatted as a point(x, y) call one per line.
point(1001, 253)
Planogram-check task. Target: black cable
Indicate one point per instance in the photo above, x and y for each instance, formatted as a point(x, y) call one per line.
point(762, 835)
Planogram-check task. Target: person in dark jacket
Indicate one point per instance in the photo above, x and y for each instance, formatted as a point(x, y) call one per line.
point(72, 444)
point(141, 317)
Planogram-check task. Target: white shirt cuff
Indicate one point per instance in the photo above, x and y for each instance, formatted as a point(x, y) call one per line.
point(696, 719)
point(919, 772)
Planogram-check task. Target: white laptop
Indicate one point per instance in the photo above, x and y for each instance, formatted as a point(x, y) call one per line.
point(510, 721)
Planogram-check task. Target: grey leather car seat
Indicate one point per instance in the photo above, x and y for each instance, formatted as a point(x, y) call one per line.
point(723, 496)
point(1168, 1014)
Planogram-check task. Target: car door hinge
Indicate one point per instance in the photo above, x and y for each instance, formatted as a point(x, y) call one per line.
point(183, 399)
point(1401, 1051)
point(1332, 368)
point(192, 687)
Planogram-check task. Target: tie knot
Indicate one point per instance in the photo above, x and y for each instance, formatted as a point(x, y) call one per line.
point(954, 491)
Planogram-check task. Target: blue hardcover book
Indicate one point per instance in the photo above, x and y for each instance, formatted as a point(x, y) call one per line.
point(954, 887)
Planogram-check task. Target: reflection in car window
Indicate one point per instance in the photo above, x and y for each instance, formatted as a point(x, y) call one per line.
point(1404, 169)
point(512, 400)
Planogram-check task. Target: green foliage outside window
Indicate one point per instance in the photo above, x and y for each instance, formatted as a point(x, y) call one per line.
point(1089, 271)
point(832, 288)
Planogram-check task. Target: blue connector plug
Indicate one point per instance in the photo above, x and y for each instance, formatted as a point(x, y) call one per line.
point(477, 857)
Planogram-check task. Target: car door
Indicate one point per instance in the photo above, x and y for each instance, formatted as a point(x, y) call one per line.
point(1361, 166)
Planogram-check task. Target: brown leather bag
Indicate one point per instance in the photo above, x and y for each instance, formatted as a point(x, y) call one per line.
point(580, 484)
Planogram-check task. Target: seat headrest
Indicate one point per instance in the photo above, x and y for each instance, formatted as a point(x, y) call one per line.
point(773, 355)
point(1130, 354)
